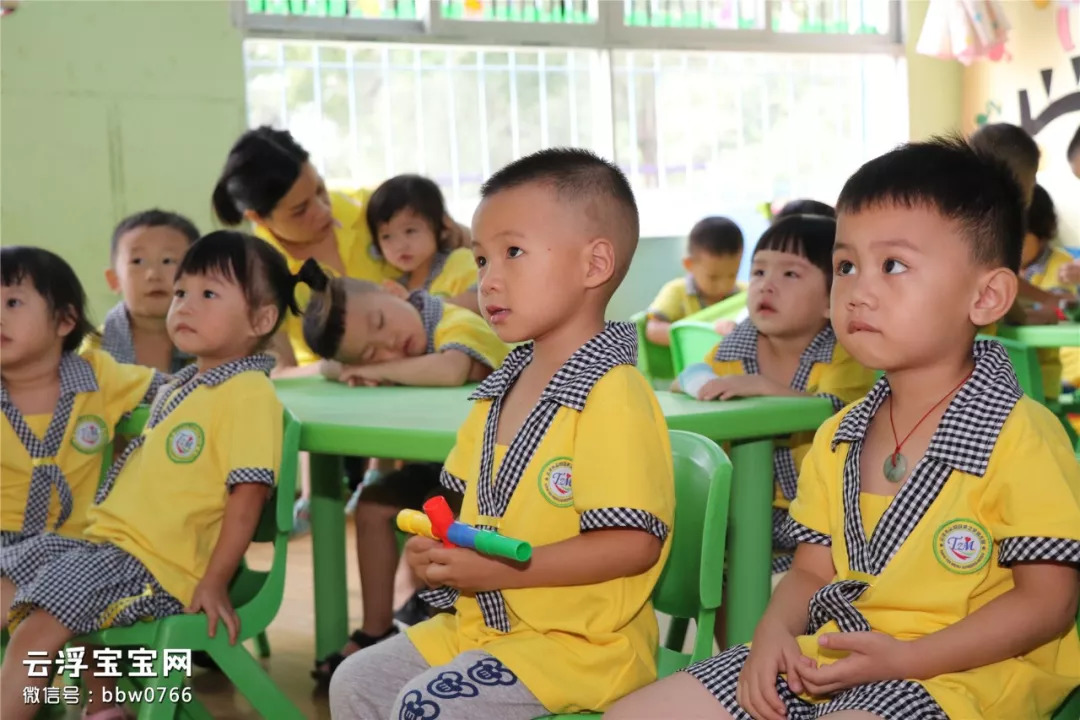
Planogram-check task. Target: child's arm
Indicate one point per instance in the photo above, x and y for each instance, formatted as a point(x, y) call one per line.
point(1040, 607)
point(658, 331)
point(468, 300)
point(599, 556)
point(242, 511)
point(449, 368)
point(736, 386)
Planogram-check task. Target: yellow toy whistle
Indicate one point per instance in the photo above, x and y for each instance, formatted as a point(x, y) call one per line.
point(415, 522)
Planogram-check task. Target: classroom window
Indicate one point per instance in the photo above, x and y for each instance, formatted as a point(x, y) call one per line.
point(696, 132)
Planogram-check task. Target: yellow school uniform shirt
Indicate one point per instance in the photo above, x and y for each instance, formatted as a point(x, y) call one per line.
point(1055, 364)
point(115, 337)
point(999, 484)
point(593, 454)
point(358, 255)
point(96, 392)
point(452, 273)
point(826, 369)
point(164, 500)
point(676, 300)
point(450, 327)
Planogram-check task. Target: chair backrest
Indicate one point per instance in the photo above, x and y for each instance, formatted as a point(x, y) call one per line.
point(654, 360)
point(1025, 364)
point(691, 342)
point(691, 585)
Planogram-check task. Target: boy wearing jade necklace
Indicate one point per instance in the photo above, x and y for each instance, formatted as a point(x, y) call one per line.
point(938, 518)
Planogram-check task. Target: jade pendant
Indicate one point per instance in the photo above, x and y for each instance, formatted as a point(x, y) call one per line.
point(895, 467)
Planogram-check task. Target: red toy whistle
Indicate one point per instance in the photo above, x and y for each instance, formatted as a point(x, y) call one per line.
point(438, 511)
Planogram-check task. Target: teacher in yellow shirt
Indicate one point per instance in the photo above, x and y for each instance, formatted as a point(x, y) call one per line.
point(269, 181)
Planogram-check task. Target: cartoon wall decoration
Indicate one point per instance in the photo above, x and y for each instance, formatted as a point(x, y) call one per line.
point(1053, 108)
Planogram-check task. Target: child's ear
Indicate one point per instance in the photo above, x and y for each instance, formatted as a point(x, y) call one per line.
point(996, 292)
point(687, 263)
point(113, 279)
point(600, 255)
point(264, 319)
point(65, 322)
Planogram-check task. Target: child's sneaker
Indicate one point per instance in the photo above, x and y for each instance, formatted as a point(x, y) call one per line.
point(301, 517)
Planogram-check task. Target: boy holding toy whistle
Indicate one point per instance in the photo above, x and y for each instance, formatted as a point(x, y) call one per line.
point(566, 449)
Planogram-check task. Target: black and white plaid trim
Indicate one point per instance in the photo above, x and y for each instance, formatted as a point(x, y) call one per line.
point(802, 534)
point(451, 482)
point(254, 475)
point(117, 340)
point(622, 517)
point(76, 376)
point(172, 394)
point(21, 560)
point(91, 586)
point(1038, 549)
point(431, 312)
point(443, 598)
point(471, 352)
point(890, 700)
point(615, 345)
point(836, 601)
point(963, 441)
point(438, 262)
point(785, 472)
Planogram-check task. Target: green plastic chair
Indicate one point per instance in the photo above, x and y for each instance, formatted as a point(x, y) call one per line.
point(693, 337)
point(654, 360)
point(256, 596)
point(691, 584)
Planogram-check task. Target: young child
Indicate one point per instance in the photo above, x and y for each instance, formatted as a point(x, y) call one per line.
point(787, 346)
point(939, 517)
point(805, 206)
point(146, 248)
point(407, 219)
point(60, 408)
point(566, 448)
point(374, 337)
point(1042, 265)
point(714, 252)
point(178, 509)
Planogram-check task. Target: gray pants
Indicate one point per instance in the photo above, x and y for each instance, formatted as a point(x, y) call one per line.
point(391, 681)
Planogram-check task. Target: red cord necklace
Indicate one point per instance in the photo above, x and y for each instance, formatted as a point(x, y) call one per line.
point(895, 467)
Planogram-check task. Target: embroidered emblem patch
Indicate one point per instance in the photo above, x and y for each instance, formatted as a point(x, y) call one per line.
point(554, 482)
point(962, 546)
point(185, 443)
point(90, 434)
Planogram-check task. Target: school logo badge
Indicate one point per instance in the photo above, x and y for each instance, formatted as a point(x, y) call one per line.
point(555, 482)
point(90, 434)
point(963, 546)
point(185, 443)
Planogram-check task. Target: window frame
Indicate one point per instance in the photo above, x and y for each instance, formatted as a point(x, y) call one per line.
point(609, 32)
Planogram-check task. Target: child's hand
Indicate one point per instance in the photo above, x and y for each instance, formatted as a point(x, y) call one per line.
point(330, 369)
point(1069, 274)
point(396, 289)
point(465, 570)
point(724, 327)
point(736, 386)
point(212, 598)
point(874, 657)
point(773, 651)
point(359, 375)
point(417, 549)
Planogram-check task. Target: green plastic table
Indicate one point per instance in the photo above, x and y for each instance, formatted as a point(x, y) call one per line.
point(1043, 336)
point(420, 424)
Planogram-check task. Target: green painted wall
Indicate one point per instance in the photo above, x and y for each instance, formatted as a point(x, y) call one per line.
point(109, 107)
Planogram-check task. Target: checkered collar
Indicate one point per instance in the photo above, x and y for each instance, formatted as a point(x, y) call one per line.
point(969, 429)
point(741, 344)
point(118, 341)
point(615, 345)
point(438, 262)
point(262, 363)
point(692, 288)
point(1038, 266)
point(431, 312)
point(76, 376)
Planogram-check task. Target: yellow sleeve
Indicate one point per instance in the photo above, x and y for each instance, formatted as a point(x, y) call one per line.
point(251, 425)
point(810, 511)
point(1032, 502)
point(90, 342)
point(668, 305)
point(844, 380)
point(622, 474)
point(457, 276)
point(465, 331)
point(463, 462)
point(124, 387)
